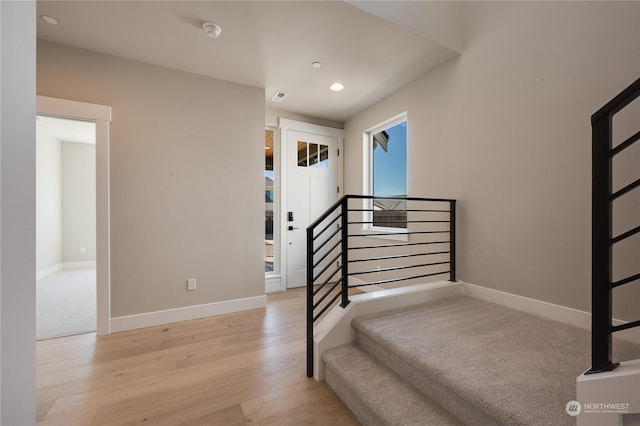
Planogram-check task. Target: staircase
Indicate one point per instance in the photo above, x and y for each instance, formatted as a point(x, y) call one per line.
point(461, 360)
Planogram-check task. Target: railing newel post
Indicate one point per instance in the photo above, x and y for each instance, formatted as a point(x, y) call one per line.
point(452, 243)
point(345, 251)
point(310, 301)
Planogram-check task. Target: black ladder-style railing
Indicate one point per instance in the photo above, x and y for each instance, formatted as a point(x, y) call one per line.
point(413, 239)
point(603, 240)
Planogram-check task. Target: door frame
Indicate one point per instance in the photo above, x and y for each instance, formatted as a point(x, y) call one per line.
point(101, 116)
point(285, 125)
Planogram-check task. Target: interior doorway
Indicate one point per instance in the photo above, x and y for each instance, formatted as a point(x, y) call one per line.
point(98, 118)
point(65, 227)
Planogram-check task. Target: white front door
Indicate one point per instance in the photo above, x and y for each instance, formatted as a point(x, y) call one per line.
point(312, 187)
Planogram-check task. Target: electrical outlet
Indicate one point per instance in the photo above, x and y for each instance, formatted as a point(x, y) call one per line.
point(83, 250)
point(191, 284)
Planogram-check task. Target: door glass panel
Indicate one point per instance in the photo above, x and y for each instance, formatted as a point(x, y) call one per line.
point(269, 181)
point(302, 154)
point(324, 157)
point(313, 155)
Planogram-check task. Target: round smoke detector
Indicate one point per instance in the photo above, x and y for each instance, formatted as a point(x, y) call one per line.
point(212, 30)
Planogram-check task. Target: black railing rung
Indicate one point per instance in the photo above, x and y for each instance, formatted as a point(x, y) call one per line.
point(397, 268)
point(626, 280)
point(325, 242)
point(399, 256)
point(626, 189)
point(378, 234)
point(395, 280)
point(316, 263)
point(328, 280)
point(397, 221)
point(327, 306)
point(399, 245)
point(328, 292)
point(625, 235)
point(624, 145)
point(402, 210)
point(326, 227)
point(327, 266)
point(625, 326)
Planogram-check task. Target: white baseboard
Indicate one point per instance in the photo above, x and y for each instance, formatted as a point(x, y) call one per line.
point(79, 265)
point(149, 319)
point(547, 310)
point(64, 265)
point(48, 271)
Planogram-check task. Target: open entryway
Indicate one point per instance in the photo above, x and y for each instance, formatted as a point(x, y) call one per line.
point(65, 227)
point(72, 215)
point(311, 177)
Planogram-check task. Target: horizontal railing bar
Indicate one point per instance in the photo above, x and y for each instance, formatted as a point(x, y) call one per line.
point(398, 221)
point(625, 281)
point(393, 280)
point(324, 296)
point(327, 306)
point(401, 210)
point(399, 256)
point(327, 266)
point(625, 235)
point(377, 234)
point(398, 268)
point(624, 190)
point(328, 280)
point(326, 214)
point(399, 245)
point(326, 227)
point(325, 242)
point(624, 145)
point(327, 253)
point(375, 197)
point(626, 326)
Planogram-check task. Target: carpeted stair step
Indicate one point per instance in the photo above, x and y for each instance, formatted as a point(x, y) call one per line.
point(484, 363)
point(376, 395)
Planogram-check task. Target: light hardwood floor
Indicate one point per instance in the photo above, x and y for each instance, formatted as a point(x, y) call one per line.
point(236, 369)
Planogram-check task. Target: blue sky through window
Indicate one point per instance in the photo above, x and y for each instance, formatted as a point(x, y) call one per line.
point(390, 167)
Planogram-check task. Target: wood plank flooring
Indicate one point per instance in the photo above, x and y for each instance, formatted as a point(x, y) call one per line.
point(236, 369)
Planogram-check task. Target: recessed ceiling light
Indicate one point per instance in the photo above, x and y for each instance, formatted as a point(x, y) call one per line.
point(212, 30)
point(316, 64)
point(336, 87)
point(49, 20)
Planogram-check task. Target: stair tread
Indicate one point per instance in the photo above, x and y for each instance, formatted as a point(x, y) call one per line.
point(390, 399)
point(512, 366)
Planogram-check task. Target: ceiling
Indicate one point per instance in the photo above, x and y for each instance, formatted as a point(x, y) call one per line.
point(265, 44)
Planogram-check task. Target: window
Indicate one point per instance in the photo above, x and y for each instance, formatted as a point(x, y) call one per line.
point(387, 172)
point(269, 200)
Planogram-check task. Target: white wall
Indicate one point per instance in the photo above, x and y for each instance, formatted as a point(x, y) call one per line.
point(48, 199)
point(17, 212)
point(186, 161)
point(505, 129)
point(78, 202)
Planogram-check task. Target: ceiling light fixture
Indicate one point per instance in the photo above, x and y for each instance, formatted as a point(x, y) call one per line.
point(316, 64)
point(212, 30)
point(49, 20)
point(336, 87)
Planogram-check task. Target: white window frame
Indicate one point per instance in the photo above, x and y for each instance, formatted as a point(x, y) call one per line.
point(399, 234)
